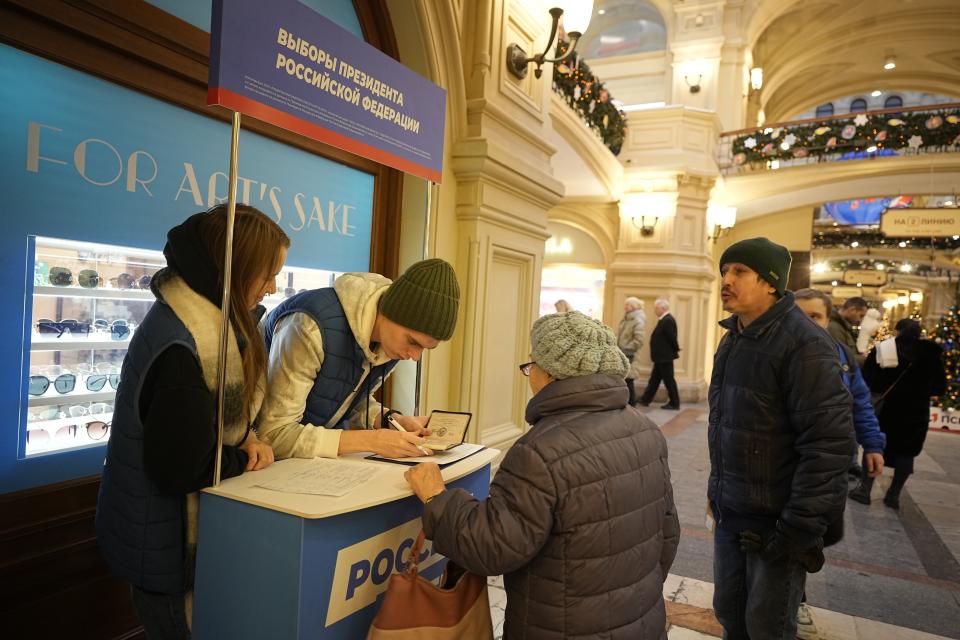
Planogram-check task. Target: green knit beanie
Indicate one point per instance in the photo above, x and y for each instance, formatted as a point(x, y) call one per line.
point(768, 259)
point(567, 345)
point(425, 298)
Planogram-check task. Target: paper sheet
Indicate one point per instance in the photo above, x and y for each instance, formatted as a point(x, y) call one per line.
point(322, 477)
point(442, 458)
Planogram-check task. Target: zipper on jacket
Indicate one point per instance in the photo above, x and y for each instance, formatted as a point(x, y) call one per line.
point(719, 515)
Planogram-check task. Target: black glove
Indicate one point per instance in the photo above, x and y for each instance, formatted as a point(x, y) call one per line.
point(774, 546)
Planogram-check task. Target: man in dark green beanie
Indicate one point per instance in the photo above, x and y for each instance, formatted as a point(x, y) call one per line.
point(331, 349)
point(780, 436)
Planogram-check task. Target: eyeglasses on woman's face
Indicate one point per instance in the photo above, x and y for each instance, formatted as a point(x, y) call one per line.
point(526, 368)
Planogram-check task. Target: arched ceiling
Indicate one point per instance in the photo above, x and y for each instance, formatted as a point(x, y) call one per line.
point(814, 51)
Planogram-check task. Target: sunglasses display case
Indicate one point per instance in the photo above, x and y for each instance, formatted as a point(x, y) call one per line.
point(87, 302)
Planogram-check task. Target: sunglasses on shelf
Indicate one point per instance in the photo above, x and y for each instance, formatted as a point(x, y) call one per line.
point(63, 277)
point(75, 327)
point(119, 329)
point(96, 430)
point(45, 414)
point(97, 381)
point(65, 383)
point(127, 281)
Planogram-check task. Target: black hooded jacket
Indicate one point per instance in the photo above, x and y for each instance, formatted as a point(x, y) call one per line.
point(178, 411)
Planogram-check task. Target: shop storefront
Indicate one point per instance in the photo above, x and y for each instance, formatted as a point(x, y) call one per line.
point(108, 144)
point(573, 270)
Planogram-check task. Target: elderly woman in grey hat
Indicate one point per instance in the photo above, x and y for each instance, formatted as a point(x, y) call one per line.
point(580, 517)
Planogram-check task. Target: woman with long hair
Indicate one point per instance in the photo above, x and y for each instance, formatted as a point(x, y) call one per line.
point(905, 413)
point(164, 432)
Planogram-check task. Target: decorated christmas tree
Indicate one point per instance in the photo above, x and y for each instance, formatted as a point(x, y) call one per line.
point(947, 335)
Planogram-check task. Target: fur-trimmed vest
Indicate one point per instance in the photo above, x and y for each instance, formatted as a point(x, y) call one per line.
point(148, 537)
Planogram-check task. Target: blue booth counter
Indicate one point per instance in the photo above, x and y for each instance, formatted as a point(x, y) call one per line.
point(286, 565)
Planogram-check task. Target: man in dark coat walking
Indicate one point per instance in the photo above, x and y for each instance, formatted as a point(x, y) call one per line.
point(664, 349)
point(781, 436)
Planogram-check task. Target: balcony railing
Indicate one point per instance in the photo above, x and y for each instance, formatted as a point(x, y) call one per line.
point(886, 132)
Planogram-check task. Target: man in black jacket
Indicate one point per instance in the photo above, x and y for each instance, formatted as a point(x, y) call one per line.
point(663, 351)
point(781, 436)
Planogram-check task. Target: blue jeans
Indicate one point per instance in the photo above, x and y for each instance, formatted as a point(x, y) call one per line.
point(163, 616)
point(754, 599)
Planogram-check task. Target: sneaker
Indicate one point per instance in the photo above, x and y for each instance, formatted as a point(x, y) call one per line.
point(806, 629)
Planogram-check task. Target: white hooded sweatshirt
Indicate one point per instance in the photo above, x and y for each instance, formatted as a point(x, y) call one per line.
point(296, 356)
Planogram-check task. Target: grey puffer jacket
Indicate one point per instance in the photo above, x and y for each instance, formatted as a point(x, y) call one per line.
point(580, 518)
point(781, 426)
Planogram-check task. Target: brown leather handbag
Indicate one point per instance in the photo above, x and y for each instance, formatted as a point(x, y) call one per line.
point(416, 608)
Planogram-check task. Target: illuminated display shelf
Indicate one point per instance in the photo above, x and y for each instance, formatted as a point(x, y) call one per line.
point(79, 395)
point(80, 292)
point(77, 344)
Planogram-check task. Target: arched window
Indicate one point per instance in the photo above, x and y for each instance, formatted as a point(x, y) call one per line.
point(825, 110)
point(858, 106)
point(892, 102)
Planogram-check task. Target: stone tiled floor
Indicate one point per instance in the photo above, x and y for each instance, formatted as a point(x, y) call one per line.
point(893, 576)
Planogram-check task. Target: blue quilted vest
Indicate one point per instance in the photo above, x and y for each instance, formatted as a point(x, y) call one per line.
point(140, 531)
point(343, 359)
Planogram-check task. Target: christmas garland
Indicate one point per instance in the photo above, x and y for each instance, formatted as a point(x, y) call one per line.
point(586, 95)
point(938, 130)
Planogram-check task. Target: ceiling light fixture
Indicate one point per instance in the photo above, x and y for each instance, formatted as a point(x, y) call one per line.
point(876, 94)
point(891, 63)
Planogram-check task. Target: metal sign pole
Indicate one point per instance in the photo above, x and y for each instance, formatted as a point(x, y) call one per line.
point(225, 300)
point(425, 250)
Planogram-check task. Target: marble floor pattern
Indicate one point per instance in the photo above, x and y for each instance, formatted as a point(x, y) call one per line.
point(894, 576)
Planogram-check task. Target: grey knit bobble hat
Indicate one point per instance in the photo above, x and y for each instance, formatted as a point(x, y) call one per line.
point(567, 345)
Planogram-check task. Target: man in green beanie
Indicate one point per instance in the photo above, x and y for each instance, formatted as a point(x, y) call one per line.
point(331, 349)
point(781, 437)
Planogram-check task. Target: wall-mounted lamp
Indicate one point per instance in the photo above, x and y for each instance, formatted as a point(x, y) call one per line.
point(695, 87)
point(720, 219)
point(646, 208)
point(756, 78)
point(576, 18)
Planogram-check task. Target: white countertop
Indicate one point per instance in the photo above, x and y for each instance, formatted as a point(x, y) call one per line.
point(386, 485)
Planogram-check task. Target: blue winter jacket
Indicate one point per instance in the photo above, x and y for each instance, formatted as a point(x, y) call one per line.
point(865, 421)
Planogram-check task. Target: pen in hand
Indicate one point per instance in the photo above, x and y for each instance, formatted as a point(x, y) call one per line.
point(396, 425)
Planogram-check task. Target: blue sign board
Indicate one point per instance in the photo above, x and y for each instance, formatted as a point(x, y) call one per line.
point(83, 159)
point(284, 63)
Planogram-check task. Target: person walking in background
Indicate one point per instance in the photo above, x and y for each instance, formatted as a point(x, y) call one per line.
point(664, 349)
point(905, 412)
point(630, 337)
point(780, 436)
point(580, 518)
point(869, 327)
point(843, 321)
point(562, 306)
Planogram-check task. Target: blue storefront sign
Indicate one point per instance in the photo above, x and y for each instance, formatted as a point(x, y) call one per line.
point(284, 63)
point(85, 160)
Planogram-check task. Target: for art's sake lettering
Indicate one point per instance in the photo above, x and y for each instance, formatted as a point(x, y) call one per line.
point(104, 164)
point(139, 167)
